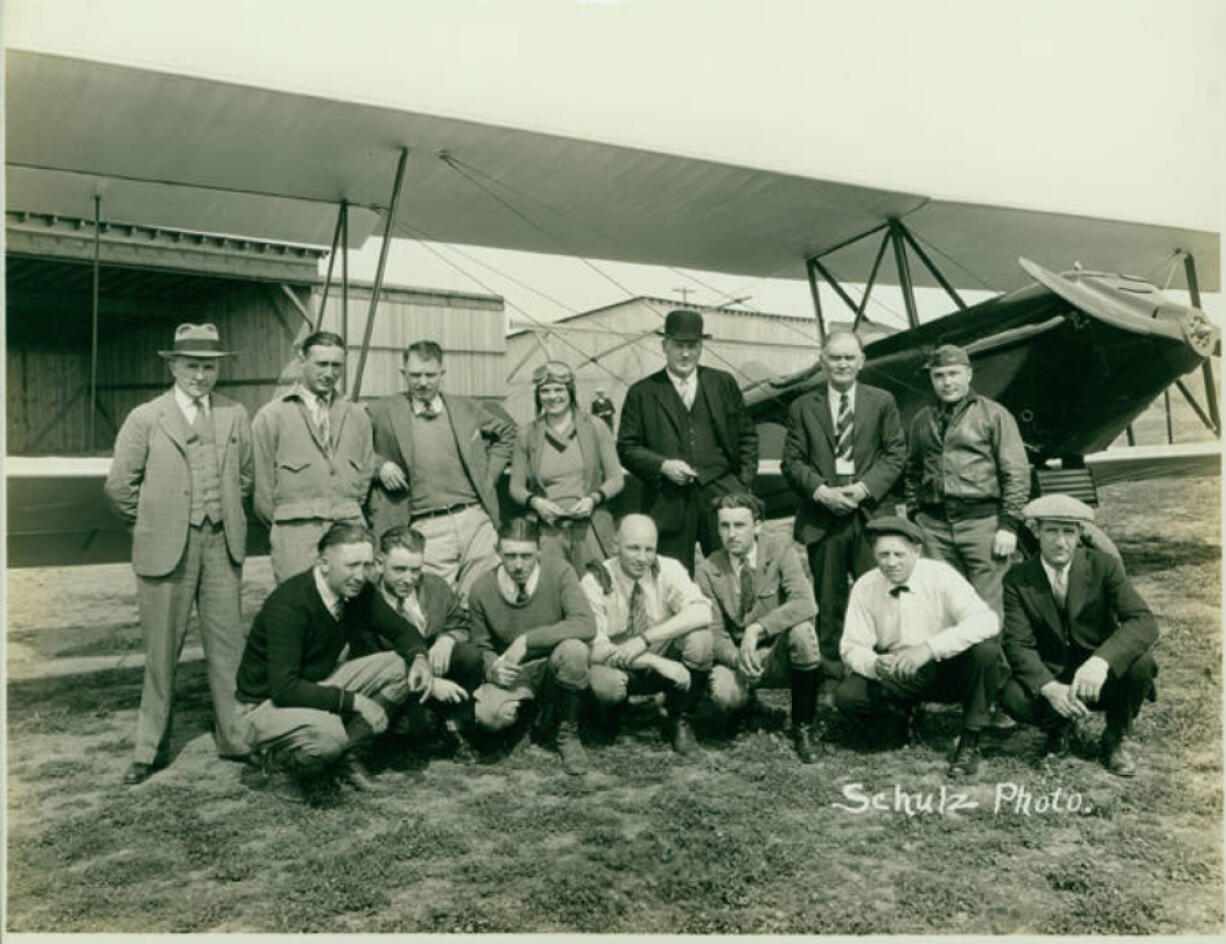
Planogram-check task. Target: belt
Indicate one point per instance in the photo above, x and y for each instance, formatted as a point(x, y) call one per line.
point(448, 510)
point(955, 509)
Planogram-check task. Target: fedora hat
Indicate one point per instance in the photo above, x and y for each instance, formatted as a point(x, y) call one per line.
point(682, 324)
point(196, 340)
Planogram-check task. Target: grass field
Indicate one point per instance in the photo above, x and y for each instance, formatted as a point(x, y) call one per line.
point(746, 841)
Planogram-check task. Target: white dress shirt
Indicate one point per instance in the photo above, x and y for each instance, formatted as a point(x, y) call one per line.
point(686, 387)
point(939, 608)
point(1058, 579)
point(667, 590)
point(434, 406)
point(188, 405)
point(841, 466)
point(510, 589)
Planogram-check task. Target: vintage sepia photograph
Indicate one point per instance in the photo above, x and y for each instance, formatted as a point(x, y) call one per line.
point(607, 467)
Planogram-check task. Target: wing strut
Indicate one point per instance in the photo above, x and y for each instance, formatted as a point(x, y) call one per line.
point(93, 322)
point(378, 286)
point(904, 272)
point(336, 236)
point(1189, 268)
point(872, 280)
point(817, 299)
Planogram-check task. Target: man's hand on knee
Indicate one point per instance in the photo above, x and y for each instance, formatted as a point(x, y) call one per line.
point(371, 712)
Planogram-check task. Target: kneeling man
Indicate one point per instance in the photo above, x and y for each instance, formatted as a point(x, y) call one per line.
point(1077, 635)
point(532, 624)
point(651, 629)
point(917, 631)
point(763, 626)
point(303, 704)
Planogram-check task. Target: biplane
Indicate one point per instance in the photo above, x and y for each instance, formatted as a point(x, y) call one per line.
point(1074, 346)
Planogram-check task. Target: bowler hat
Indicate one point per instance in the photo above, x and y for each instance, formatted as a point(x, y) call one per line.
point(895, 525)
point(1058, 507)
point(683, 325)
point(196, 340)
point(948, 355)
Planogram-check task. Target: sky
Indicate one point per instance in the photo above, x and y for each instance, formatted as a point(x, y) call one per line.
point(1113, 109)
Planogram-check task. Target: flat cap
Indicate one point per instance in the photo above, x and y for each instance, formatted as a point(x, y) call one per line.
point(1058, 507)
point(947, 355)
point(894, 525)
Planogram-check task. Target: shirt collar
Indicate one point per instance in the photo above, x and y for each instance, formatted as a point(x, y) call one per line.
point(186, 403)
point(1052, 572)
point(434, 406)
point(751, 559)
point(392, 600)
point(834, 395)
point(510, 589)
point(325, 592)
point(652, 574)
point(682, 382)
point(305, 394)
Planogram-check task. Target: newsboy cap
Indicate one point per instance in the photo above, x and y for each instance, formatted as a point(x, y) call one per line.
point(196, 340)
point(947, 355)
point(681, 324)
point(1058, 507)
point(894, 525)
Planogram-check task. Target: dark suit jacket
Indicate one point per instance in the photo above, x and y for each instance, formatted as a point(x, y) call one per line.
point(440, 606)
point(1106, 618)
point(878, 448)
point(483, 438)
point(652, 430)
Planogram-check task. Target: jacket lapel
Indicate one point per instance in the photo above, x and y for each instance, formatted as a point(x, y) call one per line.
point(402, 425)
point(462, 429)
point(1078, 583)
point(823, 418)
point(174, 423)
point(589, 450)
point(669, 400)
point(223, 421)
point(861, 443)
point(1043, 597)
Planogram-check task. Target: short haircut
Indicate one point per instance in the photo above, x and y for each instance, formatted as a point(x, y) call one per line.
point(742, 500)
point(426, 350)
point(343, 533)
point(402, 536)
point(322, 339)
point(520, 529)
point(843, 333)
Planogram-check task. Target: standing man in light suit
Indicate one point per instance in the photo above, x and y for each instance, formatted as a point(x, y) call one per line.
point(843, 453)
point(439, 458)
point(313, 458)
point(182, 467)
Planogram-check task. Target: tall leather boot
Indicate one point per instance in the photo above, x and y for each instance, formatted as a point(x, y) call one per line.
point(574, 757)
point(805, 684)
point(681, 707)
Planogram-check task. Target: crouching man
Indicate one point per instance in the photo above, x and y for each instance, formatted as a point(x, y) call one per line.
point(425, 600)
point(1077, 635)
point(532, 623)
point(916, 631)
point(763, 626)
point(651, 630)
point(303, 704)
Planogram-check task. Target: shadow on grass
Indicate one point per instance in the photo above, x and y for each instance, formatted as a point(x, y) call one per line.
point(1156, 554)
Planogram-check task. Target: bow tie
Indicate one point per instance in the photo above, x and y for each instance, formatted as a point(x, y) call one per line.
point(898, 591)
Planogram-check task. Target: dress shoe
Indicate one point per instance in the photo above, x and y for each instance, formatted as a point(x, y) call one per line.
point(1057, 742)
point(683, 739)
point(354, 773)
point(1116, 759)
point(808, 747)
point(454, 746)
point(138, 772)
point(574, 756)
point(999, 721)
point(965, 762)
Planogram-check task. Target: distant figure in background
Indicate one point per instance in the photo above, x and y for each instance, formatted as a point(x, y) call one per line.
point(603, 408)
point(565, 469)
point(1077, 635)
point(313, 457)
point(182, 467)
point(967, 476)
point(686, 435)
point(843, 453)
point(439, 458)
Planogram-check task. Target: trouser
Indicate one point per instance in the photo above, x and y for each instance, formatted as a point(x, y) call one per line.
point(698, 523)
point(310, 738)
point(966, 544)
point(792, 660)
point(573, 541)
point(972, 678)
point(611, 685)
point(460, 546)
point(294, 544)
point(209, 578)
point(1121, 698)
point(495, 707)
point(842, 555)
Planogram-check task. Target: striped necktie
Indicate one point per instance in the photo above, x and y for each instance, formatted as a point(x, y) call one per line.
point(842, 449)
point(636, 621)
point(324, 421)
point(747, 591)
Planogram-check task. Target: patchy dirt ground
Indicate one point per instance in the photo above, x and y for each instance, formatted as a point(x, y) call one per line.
point(747, 841)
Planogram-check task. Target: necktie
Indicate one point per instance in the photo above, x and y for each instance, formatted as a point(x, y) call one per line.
point(521, 593)
point(324, 421)
point(428, 412)
point(898, 591)
point(747, 591)
point(688, 390)
point(197, 413)
point(338, 610)
point(1059, 587)
point(843, 428)
point(636, 622)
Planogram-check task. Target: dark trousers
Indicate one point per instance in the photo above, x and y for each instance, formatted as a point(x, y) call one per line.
point(843, 550)
point(698, 525)
point(1120, 698)
point(971, 679)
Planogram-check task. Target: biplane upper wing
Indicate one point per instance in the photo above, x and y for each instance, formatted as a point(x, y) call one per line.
point(194, 153)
